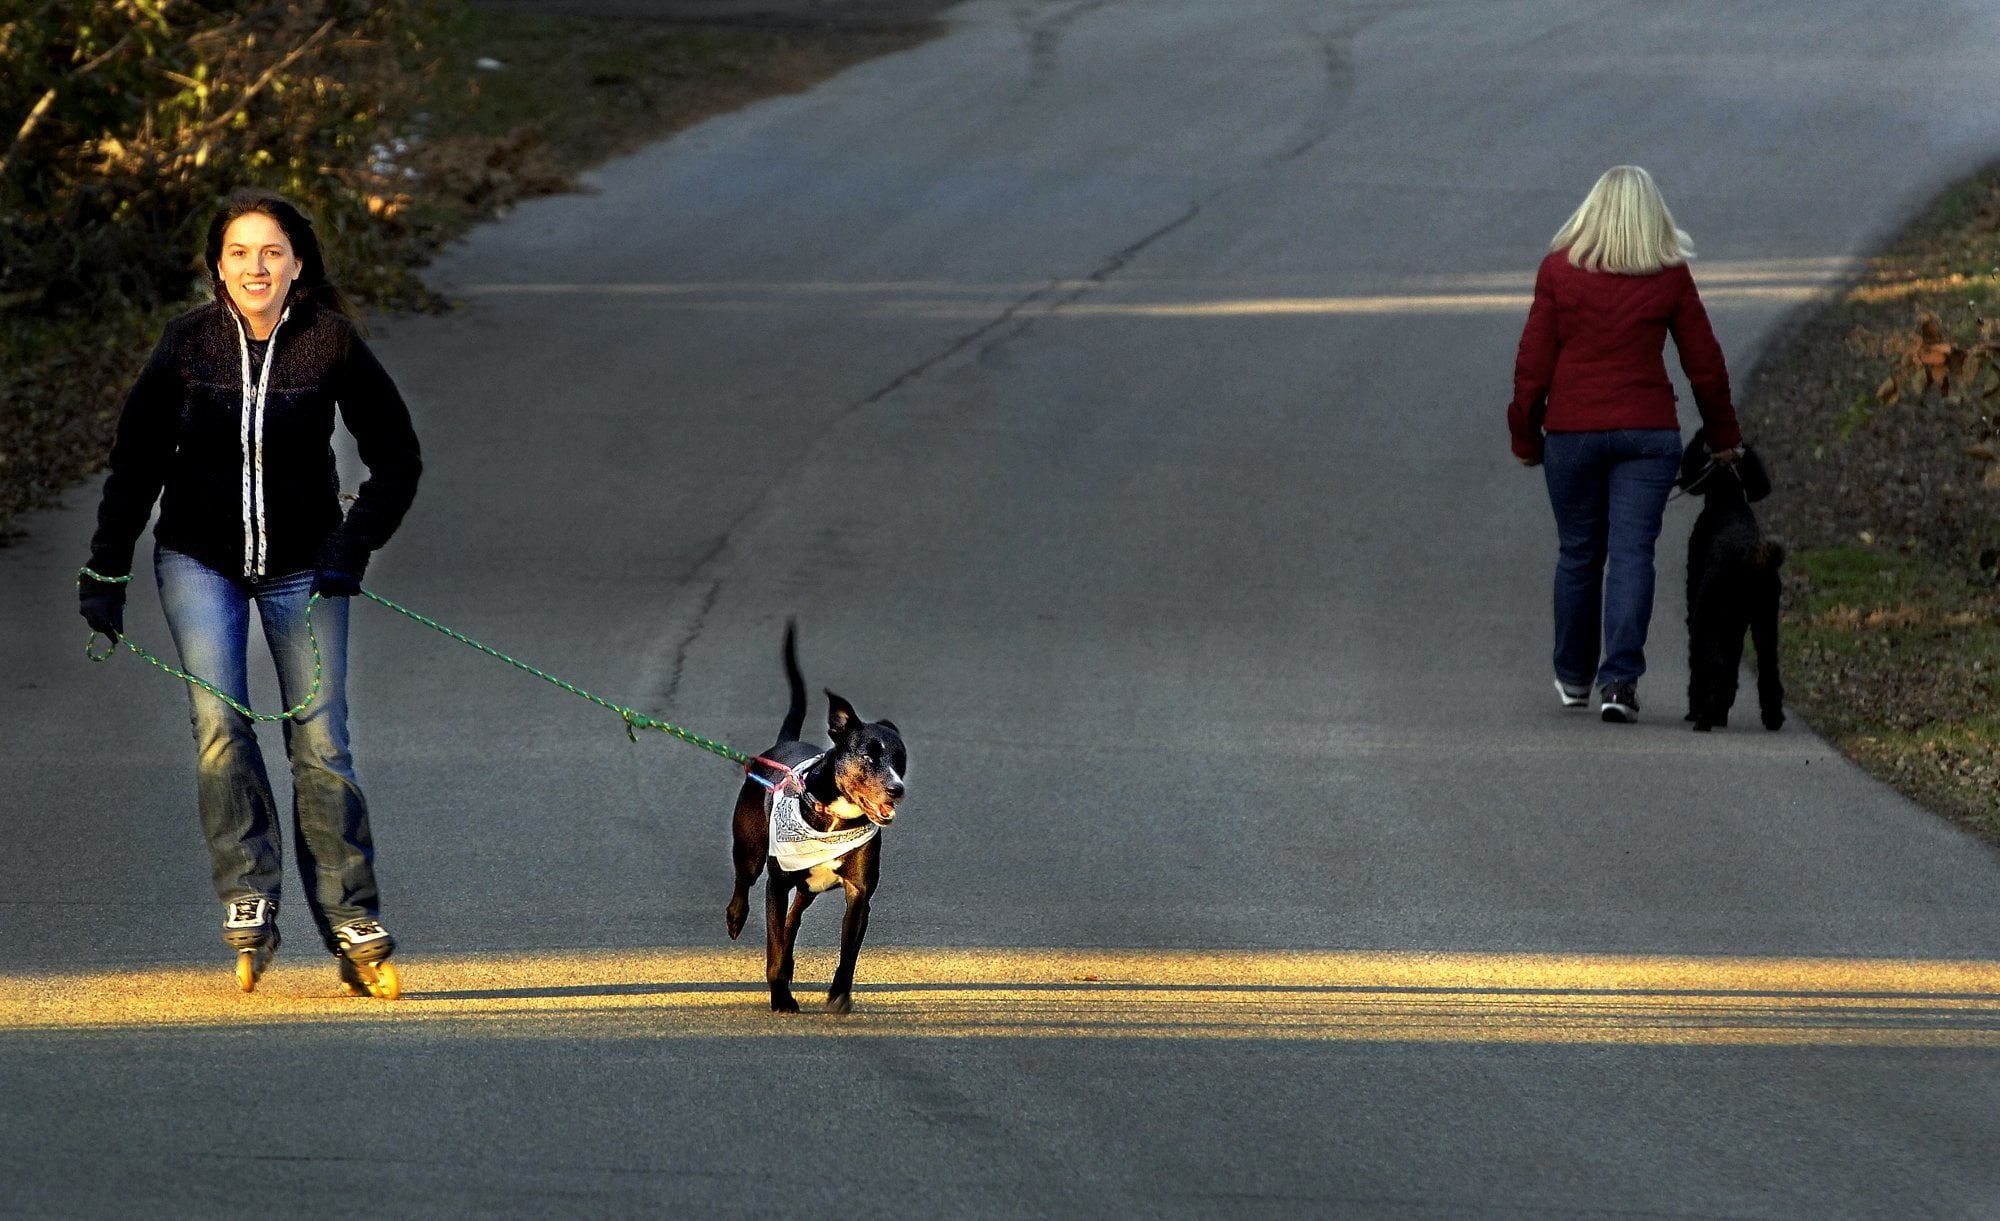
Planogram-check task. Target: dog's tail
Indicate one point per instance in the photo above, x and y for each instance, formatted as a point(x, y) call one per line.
point(795, 715)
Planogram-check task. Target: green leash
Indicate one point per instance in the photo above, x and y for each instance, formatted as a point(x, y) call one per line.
point(287, 715)
point(634, 721)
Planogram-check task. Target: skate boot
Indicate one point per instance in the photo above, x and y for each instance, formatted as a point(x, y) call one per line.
point(365, 969)
point(250, 927)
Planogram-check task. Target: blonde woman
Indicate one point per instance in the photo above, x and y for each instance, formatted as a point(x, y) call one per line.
point(1594, 409)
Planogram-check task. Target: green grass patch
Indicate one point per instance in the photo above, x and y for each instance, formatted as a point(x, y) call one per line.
point(1893, 657)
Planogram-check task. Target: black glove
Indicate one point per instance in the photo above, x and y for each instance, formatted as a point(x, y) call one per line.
point(337, 571)
point(102, 604)
point(333, 583)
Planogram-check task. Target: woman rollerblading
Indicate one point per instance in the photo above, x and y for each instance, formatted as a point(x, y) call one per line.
point(229, 430)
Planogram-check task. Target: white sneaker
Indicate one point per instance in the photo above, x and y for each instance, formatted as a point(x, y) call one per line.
point(1573, 697)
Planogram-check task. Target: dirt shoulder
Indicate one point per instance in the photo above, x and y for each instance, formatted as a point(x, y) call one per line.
point(1876, 415)
point(810, 14)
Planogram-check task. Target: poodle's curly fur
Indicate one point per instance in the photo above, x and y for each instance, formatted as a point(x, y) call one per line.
point(1732, 587)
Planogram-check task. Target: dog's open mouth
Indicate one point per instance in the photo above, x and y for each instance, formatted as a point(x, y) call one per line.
point(881, 815)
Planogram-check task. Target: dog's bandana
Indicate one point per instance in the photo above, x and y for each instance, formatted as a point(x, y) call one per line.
point(794, 842)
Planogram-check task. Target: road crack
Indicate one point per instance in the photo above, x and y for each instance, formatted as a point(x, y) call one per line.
point(1111, 266)
point(1334, 49)
point(695, 628)
point(1044, 35)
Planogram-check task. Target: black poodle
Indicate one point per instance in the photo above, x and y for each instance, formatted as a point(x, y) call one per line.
point(1732, 586)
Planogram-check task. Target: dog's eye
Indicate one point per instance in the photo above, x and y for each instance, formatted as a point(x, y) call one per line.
point(874, 752)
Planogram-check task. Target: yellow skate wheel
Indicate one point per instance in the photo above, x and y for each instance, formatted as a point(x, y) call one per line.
point(388, 985)
point(246, 970)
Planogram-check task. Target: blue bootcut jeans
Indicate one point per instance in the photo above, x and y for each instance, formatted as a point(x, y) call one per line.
point(209, 616)
point(1609, 492)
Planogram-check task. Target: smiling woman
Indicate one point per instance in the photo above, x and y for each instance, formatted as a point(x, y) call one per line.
point(260, 249)
point(257, 269)
point(244, 470)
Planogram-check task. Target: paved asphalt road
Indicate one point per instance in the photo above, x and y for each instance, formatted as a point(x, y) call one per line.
point(1114, 392)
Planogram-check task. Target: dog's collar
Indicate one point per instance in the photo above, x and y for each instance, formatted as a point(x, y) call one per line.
point(1707, 473)
point(796, 844)
point(807, 799)
point(792, 780)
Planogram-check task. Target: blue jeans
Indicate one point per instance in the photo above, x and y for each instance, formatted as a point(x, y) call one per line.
point(209, 615)
point(1609, 491)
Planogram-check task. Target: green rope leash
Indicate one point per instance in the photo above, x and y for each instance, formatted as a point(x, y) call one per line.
point(634, 720)
point(288, 714)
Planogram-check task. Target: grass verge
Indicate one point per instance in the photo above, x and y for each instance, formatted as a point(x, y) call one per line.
point(515, 105)
point(1893, 657)
point(1892, 619)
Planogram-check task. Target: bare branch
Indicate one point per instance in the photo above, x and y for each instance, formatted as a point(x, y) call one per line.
point(269, 75)
point(41, 108)
point(200, 37)
point(102, 58)
point(28, 126)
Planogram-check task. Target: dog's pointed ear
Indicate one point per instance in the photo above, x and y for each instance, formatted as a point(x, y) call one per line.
point(841, 719)
point(885, 721)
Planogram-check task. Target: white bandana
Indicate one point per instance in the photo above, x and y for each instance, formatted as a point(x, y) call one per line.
point(794, 842)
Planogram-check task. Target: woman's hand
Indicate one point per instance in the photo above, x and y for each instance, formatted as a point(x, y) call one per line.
point(102, 604)
point(1527, 461)
point(1726, 456)
point(333, 583)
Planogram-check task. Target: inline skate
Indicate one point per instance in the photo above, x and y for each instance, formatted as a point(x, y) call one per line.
point(363, 953)
point(250, 927)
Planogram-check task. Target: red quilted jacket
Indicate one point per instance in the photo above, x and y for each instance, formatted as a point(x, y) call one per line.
point(1592, 356)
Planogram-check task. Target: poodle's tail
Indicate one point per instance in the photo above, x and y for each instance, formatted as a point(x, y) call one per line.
point(795, 715)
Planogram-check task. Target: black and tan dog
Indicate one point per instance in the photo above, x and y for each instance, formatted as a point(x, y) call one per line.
point(1732, 586)
point(814, 818)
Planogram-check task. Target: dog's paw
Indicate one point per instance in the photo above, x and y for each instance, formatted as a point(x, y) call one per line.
point(843, 1003)
point(733, 918)
point(783, 1002)
point(1691, 716)
point(1702, 724)
point(1774, 720)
